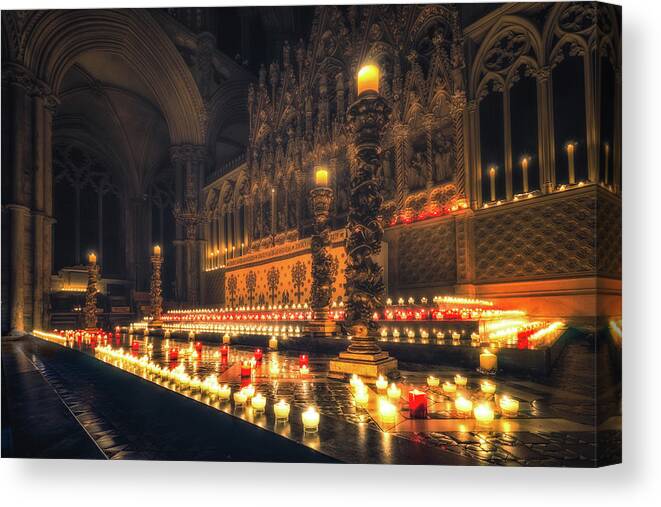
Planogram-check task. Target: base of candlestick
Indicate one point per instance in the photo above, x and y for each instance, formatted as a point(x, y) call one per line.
point(322, 328)
point(155, 324)
point(367, 366)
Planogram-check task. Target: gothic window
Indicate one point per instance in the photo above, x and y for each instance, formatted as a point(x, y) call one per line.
point(523, 124)
point(569, 114)
point(492, 142)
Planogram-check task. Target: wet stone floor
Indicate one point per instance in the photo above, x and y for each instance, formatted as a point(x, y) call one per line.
point(554, 425)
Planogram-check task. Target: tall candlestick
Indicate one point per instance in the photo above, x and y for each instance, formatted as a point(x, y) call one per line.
point(570, 159)
point(606, 151)
point(524, 171)
point(492, 177)
point(368, 79)
point(273, 220)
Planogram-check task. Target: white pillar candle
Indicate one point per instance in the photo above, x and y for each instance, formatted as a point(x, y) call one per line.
point(394, 392)
point(492, 179)
point(387, 412)
point(570, 161)
point(281, 410)
point(487, 387)
point(310, 420)
point(381, 383)
point(224, 392)
point(433, 381)
point(463, 406)
point(488, 361)
point(226, 339)
point(449, 388)
point(460, 380)
point(249, 390)
point(509, 406)
point(483, 413)
point(258, 402)
point(524, 172)
point(362, 397)
point(273, 343)
point(606, 150)
point(240, 398)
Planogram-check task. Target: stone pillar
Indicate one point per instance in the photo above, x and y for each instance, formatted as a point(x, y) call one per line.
point(457, 112)
point(592, 73)
point(474, 163)
point(545, 132)
point(428, 123)
point(367, 120)
point(507, 143)
point(400, 132)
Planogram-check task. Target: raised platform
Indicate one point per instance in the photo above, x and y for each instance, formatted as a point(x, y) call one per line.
point(367, 366)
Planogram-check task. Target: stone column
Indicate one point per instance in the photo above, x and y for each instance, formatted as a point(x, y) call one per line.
point(367, 117)
point(592, 73)
point(507, 143)
point(545, 132)
point(457, 112)
point(400, 132)
point(474, 162)
point(428, 123)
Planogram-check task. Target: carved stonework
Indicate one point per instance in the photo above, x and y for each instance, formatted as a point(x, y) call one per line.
point(537, 241)
point(427, 255)
point(155, 291)
point(90, 296)
point(367, 119)
point(324, 267)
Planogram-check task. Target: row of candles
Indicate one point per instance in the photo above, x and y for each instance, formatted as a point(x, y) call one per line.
point(390, 396)
point(177, 377)
point(570, 148)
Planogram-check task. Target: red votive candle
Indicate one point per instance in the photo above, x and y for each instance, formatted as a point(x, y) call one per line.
point(417, 404)
point(174, 354)
point(224, 352)
point(259, 355)
point(246, 370)
point(135, 345)
point(522, 340)
point(198, 347)
point(303, 360)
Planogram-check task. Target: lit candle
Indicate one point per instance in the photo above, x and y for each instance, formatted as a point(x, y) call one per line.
point(249, 390)
point(224, 392)
point(240, 397)
point(509, 406)
point(381, 383)
point(570, 160)
point(304, 370)
point(259, 355)
point(92, 258)
point(157, 251)
point(433, 381)
point(281, 410)
point(417, 404)
point(387, 411)
point(226, 339)
point(274, 369)
point(492, 179)
point(246, 369)
point(258, 403)
point(362, 397)
point(488, 361)
point(321, 177)
point(310, 420)
point(303, 360)
point(355, 381)
point(483, 413)
point(606, 150)
point(524, 172)
point(273, 343)
point(487, 387)
point(449, 388)
point(394, 392)
point(368, 79)
point(463, 406)
point(460, 380)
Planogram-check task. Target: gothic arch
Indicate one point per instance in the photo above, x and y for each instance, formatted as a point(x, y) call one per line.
point(58, 37)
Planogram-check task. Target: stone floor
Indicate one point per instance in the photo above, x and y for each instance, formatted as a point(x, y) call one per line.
point(554, 427)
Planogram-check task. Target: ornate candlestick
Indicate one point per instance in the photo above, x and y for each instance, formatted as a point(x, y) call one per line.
point(323, 266)
point(367, 118)
point(90, 294)
point(155, 289)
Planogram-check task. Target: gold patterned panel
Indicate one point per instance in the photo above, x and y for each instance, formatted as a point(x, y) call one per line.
point(556, 237)
point(427, 255)
point(609, 237)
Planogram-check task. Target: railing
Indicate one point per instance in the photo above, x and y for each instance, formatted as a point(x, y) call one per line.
point(228, 166)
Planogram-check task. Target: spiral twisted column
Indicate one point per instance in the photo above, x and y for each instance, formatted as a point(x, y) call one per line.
point(155, 292)
point(90, 296)
point(367, 118)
